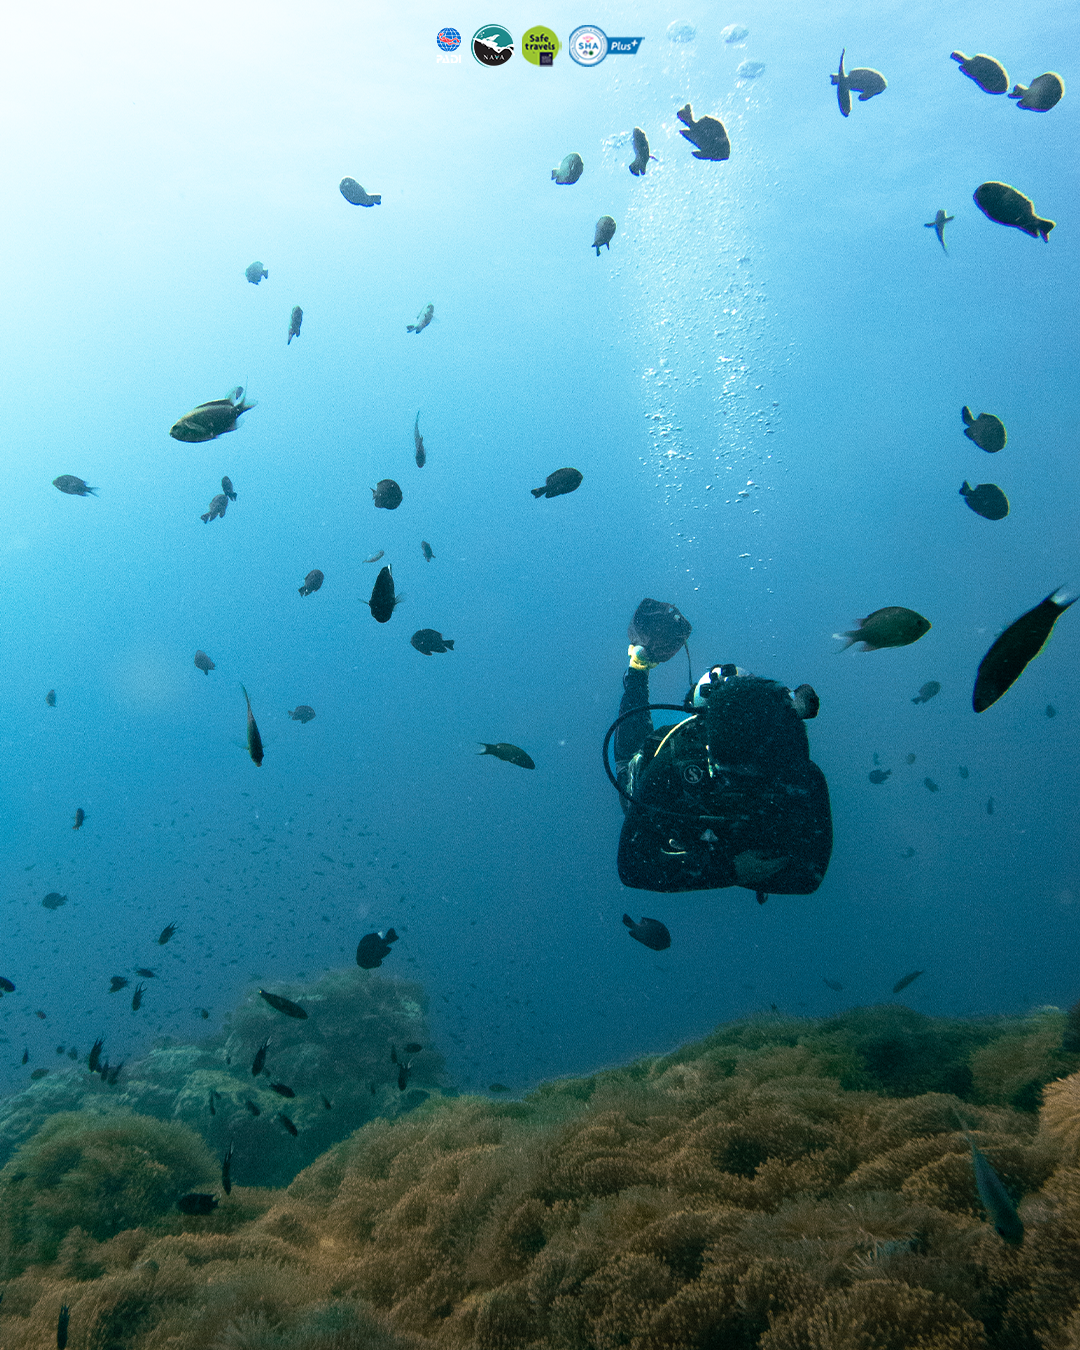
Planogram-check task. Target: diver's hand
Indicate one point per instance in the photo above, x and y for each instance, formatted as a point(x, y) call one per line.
point(639, 659)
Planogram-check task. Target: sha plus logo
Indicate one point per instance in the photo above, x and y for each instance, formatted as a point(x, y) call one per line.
point(588, 45)
point(492, 45)
point(449, 40)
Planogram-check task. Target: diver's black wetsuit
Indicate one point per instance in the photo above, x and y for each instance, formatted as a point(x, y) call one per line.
point(630, 735)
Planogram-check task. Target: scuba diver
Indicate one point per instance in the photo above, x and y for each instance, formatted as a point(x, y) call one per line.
point(728, 796)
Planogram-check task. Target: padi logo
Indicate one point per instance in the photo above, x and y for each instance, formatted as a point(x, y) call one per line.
point(587, 45)
point(492, 45)
point(449, 40)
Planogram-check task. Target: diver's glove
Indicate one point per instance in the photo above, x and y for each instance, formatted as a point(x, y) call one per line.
point(639, 659)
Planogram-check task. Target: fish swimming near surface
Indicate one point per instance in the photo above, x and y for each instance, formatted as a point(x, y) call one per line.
point(383, 599)
point(136, 1001)
point(512, 754)
point(1042, 94)
point(227, 488)
point(218, 507)
point(355, 195)
point(376, 556)
point(74, 487)
point(938, 226)
point(210, 420)
point(903, 984)
point(422, 320)
point(866, 82)
point(843, 88)
point(995, 1198)
point(255, 272)
point(603, 234)
point(296, 318)
point(282, 1090)
point(834, 985)
point(1005, 206)
point(387, 494)
point(893, 626)
point(927, 692)
point(560, 482)
point(640, 162)
point(54, 900)
point(421, 453)
point(167, 934)
point(650, 933)
point(1019, 643)
point(80, 816)
point(197, 1202)
point(302, 713)
point(428, 640)
point(986, 500)
point(50, 698)
point(226, 1171)
point(203, 662)
point(288, 1124)
point(312, 582)
point(284, 1005)
point(260, 1058)
point(254, 740)
point(118, 982)
point(570, 170)
point(62, 1327)
point(374, 948)
point(988, 74)
point(708, 134)
point(986, 430)
point(425, 549)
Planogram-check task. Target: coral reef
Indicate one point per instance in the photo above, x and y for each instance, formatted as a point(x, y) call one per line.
point(1060, 1116)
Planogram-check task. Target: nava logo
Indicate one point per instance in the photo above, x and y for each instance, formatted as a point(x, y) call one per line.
point(492, 45)
point(540, 46)
point(588, 45)
point(449, 39)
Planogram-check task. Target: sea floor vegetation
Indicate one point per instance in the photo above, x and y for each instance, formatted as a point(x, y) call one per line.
point(782, 1185)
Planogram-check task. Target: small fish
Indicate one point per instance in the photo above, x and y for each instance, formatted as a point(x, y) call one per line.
point(80, 816)
point(50, 698)
point(707, 133)
point(412, 1047)
point(284, 1005)
point(210, 420)
point(560, 482)
point(1019, 643)
point(403, 1077)
point(376, 556)
point(282, 1090)
point(428, 640)
point(910, 759)
point(312, 582)
point(963, 771)
point(62, 1327)
point(254, 740)
point(252, 1107)
point(1042, 94)
point(938, 226)
point(1051, 711)
point(374, 948)
point(995, 1198)
point(288, 1124)
point(843, 88)
point(422, 320)
point(989, 806)
point(425, 549)
point(74, 487)
point(136, 1001)
point(227, 488)
point(930, 785)
point(1005, 206)
point(94, 1062)
point(226, 1171)
point(6, 985)
point(988, 74)
point(986, 500)
point(197, 1202)
point(927, 692)
point(986, 430)
point(512, 754)
point(603, 235)
point(383, 599)
point(296, 318)
point(118, 982)
point(570, 169)
point(327, 1103)
point(260, 1059)
point(903, 984)
point(302, 713)
point(355, 195)
point(878, 776)
point(650, 933)
point(255, 272)
point(203, 663)
point(168, 932)
point(866, 81)
point(421, 453)
point(834, 985)
point(26, 1056)
point(893, 626)
point(640, 162)
point(387, 495)
point(218, 506)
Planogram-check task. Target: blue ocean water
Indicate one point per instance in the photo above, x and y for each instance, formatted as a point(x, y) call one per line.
point(761, 382)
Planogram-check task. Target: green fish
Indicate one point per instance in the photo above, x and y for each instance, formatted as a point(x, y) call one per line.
point(511, 753)
point(210, 420)
point(1021, 641)
point(893, 626)
point(995, 1198)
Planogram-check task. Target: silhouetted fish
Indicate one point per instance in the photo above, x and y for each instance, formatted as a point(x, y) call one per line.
point(927, 692)
point(1042, 94)
point(204, 663)
point(1011, 652)
point(260, 1058)
point(893, 626)
point(988, 74)
point(878, 776)
point(512, 754)
point(302, 713)
point(296, 318)
point(428, 640)
point(375, 556)
point(50, 698)
point(640, 162)
point(74, 487)
point(282, 1090)
point(1004, 205)
point(986, 500)
point(355, 195)
point(603, 234)
point(255, 272)
point(254, 740)
point(569, 170)
point(995, 1198)
point(118, 982)
point(226, 1171)
point(383, 600)
point(386, 494)
point(288, 1124)
point(210, 420)
point(903, 984)
point(218, 507)
point(649, 932)
point(136, 1001)
point(422, 320)
point(425, 549)
point(80, 816)
point(312, 582)
point(986, 430)
point(707, 133)
point(557, 484)
point(373, 948)
point(284, 1005)
point(834, 985)
point(421, 453)
point(227, 488)
point(166, 934)
point(938, 226)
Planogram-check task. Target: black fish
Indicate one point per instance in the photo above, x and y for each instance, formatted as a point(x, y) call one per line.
point(94, 1061)
point(938, 226)
point(927, 692)
point(114, 1074)
point(328, 1103)
point(878, 776)
point(6, 985)
point(226, 1172)
point(26, 1056)
point(512, 754)
point(303, 712)
point(285, 1005)
point(413, 1048)
point(218, 507)
point(425, 549)
point(227, 488)
point(421, 454)
point(166, 933)
point(74, 487)
point(213, 1108)
point(282, 1090)
point(252, 1107)
point(312, 582)
point(558, 483)
point(54, 900)
point(80, 816)
point(1005, 206)
point(383, 600)
point(136, 1001)
point(428, 640)
point(255, 272)
point(962, 771)
point(50, 698)
point(931, 786)
point(903, 984)
point(260, 1059)
point(403, 1077)
point(197, 1202)
point(288, 1124)
point(296, 318)
point(986, 500)
point(373, 948)
point(254, 740)
point(708, 133)
point(62, 1327)
point(117, 982)
point(984, 71)
point(203, 663)
point(987, 431)
point(145, 972)
point(835, 985)
point(649, 932)
point(1011, 652)
point(386, 494)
